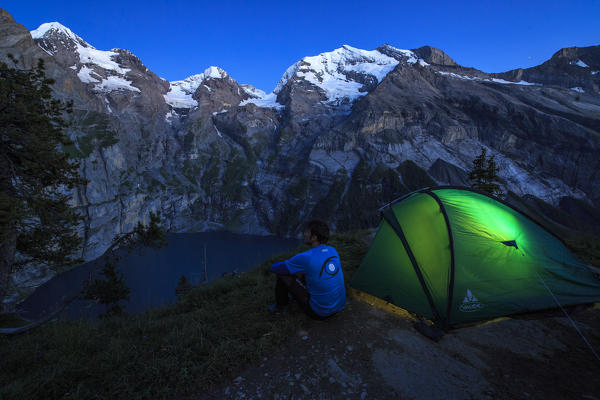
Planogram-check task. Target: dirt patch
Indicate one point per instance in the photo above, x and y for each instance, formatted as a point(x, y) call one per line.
point(365, 353)
point(531, 339)
point(428, 371)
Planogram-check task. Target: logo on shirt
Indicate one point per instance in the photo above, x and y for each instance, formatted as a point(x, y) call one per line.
point(329, 267)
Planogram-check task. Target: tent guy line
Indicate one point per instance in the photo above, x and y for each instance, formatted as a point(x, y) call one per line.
point(569, 317)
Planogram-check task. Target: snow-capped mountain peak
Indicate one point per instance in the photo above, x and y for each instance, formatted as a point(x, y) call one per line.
point(86, 53)
point(344, 74)
point(193, 81)
point(56, 27)
point(408, 56)
point(180, 92)
point(260, 98)
point(93, 66)
point(214, 73)
point(252, 91)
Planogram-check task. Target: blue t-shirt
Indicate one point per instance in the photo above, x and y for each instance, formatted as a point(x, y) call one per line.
point(324, 277)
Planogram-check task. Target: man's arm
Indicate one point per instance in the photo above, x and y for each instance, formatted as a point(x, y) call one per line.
point(280, 268)
point(295, 265)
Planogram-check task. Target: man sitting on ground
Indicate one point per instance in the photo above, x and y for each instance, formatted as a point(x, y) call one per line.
point(314, 278)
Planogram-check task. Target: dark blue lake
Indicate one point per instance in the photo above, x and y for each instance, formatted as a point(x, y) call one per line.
point(153, 274)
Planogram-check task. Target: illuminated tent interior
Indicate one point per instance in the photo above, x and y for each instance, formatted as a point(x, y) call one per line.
point(455, 255)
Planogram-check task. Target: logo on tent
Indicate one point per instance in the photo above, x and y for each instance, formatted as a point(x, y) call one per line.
point(470, 303)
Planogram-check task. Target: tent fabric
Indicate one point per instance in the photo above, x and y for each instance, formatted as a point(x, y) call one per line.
point(456, 255)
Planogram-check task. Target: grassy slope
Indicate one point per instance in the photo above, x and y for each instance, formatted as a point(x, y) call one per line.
point(11, 321)
point(174, 351)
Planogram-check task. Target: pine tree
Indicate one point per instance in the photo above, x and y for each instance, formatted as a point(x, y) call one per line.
point(484, 174)
point(478, 174)
point(37, 225)
point(491, 177)
point(109, 291)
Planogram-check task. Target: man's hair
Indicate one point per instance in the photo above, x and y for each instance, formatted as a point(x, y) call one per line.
point(319, 229)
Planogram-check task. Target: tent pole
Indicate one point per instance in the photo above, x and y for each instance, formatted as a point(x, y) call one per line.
point(402, 198)
point(391, 219)
point(451, 240)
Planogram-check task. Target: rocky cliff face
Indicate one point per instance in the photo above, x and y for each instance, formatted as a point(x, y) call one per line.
point(574, 68)
point(343, 133)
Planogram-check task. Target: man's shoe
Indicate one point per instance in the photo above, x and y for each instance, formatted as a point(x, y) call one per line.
point(275, 309)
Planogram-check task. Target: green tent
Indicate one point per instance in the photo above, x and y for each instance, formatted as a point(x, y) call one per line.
point(455, 255)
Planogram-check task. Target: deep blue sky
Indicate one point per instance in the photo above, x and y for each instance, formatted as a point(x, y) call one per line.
point(256, 41)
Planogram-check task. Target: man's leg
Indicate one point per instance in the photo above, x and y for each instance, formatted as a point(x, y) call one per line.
point(303, 298)
point(281, 290)
point(288, 284)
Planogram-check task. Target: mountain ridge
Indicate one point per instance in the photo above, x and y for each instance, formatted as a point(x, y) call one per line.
point(345, 132)
point(427, 53)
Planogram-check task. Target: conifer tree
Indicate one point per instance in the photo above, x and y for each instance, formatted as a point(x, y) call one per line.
point(109, 291)
point(112, 289)
point(37, 224)
point(484, 175)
